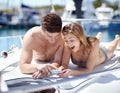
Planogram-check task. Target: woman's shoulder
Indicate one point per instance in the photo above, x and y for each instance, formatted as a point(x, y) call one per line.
point(93, 40)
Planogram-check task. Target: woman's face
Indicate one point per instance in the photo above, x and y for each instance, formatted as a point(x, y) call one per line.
point(72, 42)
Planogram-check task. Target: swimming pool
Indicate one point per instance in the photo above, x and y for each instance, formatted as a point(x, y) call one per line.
point(107, 36)
point(10, 37)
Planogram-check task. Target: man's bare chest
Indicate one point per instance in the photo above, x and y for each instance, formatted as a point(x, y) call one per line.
point(46, 49)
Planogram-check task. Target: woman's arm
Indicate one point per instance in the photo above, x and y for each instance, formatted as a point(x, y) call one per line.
point(91, 62)
point(58, 56)
point(66, 57)
point(93, 57)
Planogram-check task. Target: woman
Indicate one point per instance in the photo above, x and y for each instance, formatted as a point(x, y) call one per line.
point(84, 51)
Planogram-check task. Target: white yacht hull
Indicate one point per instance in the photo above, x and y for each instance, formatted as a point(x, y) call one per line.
point(104, 79)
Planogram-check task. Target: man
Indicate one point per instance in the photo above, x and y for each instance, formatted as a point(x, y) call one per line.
point(44, 44)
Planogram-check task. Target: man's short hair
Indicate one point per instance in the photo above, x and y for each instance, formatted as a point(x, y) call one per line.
point(51, 23)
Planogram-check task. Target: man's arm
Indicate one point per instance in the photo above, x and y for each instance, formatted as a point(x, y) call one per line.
point(26, 57)
point(25, 62)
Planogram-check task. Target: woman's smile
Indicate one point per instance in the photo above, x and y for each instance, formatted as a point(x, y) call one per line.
point(72, 47)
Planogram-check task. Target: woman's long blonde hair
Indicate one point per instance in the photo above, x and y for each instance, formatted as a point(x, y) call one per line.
point(85, 42)
point(77, 30)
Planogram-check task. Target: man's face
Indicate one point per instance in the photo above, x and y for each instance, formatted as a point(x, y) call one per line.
point(52, 37)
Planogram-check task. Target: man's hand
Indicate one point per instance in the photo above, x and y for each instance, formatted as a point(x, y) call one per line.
point(43, 71)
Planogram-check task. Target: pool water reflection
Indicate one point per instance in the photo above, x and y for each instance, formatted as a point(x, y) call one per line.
point(107, 35)
point(6, 41)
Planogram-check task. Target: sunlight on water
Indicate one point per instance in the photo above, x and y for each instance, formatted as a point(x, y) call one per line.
point(107, 36)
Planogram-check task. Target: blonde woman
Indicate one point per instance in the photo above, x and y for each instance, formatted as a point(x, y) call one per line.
point(84, 51)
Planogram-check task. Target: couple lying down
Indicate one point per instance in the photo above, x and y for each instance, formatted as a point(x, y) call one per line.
point(85, 52)
point(45, 41)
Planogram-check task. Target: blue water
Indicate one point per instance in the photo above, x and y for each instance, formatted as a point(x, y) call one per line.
point(108, 32)
point(6, 42)
point(12, 31)
point(10, 37)
point(107, 35)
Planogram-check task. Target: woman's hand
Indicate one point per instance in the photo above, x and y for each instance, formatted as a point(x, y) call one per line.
point(61, 68)
point(66, 73)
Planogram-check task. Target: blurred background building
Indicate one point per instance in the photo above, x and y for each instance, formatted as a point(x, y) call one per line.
point(29, 12)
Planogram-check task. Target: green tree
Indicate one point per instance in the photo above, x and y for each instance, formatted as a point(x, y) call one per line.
point(97, 3)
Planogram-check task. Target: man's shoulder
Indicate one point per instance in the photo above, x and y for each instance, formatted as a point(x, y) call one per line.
point(60, 41)
point(35, 28)
point(32, 31)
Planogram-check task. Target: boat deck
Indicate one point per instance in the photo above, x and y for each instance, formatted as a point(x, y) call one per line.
point(104, 79)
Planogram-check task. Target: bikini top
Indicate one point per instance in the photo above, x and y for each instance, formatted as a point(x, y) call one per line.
point(79, 63)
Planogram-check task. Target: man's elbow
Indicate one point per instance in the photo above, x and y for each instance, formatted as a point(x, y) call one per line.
point(22, 68)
